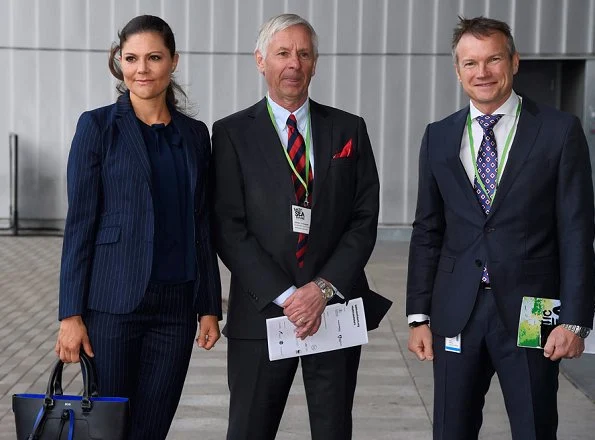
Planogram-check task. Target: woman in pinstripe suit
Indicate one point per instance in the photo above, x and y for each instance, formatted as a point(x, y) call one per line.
point(138, 267)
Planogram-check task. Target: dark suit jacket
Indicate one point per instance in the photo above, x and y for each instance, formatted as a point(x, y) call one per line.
point(108, 239)
point(537, 239)
point(253, 197)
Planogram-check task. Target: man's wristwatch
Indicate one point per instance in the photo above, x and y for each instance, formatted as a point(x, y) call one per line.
point(581, 332)
point(326, 288)
point(418, 323)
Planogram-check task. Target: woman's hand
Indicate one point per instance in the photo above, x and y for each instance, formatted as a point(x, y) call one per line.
point(208, 331)
point(71, 337)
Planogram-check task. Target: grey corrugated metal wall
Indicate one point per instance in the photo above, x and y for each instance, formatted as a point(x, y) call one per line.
point(388, 60)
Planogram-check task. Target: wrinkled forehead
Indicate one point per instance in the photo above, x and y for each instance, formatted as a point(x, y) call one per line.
point(295, 36)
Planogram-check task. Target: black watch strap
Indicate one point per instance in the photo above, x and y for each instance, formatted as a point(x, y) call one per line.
point(418, 323)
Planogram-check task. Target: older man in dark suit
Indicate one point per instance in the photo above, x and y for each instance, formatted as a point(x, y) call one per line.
point(504, 210)
point(285, 155)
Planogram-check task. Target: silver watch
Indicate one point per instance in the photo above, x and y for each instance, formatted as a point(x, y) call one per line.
point(326, 288)
point(581, 332)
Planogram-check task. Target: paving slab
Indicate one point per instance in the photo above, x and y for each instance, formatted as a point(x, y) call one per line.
point(394, 393)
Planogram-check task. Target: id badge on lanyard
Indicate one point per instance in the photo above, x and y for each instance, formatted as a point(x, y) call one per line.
point(300, 219)
point(300, 215)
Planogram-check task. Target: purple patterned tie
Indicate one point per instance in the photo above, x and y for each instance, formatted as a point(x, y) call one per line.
point(487, 168)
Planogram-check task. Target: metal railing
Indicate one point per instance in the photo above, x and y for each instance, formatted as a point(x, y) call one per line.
point(13, 161)
point(14, 221)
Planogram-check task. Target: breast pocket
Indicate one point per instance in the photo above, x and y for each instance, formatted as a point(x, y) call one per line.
point(108, 235)
point(342, 162)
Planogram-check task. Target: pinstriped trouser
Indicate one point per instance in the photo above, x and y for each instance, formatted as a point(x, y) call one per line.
point(144, 355)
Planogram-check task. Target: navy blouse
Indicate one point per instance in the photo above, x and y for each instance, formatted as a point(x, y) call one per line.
point(174, 254)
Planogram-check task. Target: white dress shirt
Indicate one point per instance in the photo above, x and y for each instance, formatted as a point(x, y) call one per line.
point(302, 115)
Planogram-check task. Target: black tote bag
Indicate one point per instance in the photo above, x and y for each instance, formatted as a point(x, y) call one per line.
point(56, 416)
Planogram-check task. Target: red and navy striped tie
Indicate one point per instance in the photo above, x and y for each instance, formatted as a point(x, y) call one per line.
point(296, 148)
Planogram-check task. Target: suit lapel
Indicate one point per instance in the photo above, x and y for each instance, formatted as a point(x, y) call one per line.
point(321, 127)
point(524, 139)
point(263, 134)
point(129, 129)
point(453, 158)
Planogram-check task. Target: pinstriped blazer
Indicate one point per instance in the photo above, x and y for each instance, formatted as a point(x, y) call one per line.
point(108, 238)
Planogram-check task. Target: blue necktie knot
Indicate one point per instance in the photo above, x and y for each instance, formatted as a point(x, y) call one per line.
point(487, 122)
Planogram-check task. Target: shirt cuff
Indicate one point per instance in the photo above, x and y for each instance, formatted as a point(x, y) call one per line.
point(337, 292)
point(281, 298)
point(418, 317)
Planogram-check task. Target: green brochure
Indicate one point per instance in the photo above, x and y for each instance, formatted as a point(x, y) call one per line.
point(538, 318)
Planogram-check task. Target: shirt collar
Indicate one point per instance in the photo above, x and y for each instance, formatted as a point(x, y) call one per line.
point(281, 114)
point(508, 108)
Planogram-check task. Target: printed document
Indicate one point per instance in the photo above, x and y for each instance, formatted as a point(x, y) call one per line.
point(342, 326)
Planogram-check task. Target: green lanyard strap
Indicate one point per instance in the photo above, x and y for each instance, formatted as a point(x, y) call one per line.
point(289, 161)
point(500, 161)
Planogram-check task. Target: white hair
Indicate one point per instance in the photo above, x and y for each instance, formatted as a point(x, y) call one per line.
point(279, 23)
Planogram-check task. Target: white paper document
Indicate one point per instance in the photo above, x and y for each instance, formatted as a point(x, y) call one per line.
point(342, 326)
point(590, 341)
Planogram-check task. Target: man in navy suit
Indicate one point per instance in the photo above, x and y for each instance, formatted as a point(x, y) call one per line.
point(504, 210)
point(283, 155)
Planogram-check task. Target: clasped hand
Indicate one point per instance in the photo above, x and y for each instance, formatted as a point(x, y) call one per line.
point(304, 309)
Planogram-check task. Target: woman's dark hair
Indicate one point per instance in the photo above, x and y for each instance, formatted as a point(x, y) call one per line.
point(146, 23)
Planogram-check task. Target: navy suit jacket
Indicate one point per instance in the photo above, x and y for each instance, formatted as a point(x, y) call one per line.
point(537, 239)
point(108, 238)
point(253, 197)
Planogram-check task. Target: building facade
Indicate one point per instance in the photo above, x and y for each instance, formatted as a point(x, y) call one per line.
point(387, 60)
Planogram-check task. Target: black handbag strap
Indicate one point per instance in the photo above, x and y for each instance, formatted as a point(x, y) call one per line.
point(67, 415)
point(90, 388)
point(54, 388)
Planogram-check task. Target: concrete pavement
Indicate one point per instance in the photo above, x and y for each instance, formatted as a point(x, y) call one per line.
point(393, 398)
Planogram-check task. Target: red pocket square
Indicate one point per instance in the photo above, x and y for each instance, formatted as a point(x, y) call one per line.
point(345, 152)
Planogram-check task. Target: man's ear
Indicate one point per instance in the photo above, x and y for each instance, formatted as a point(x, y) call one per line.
point(515, 63)
point(259, 61)
point(456, 66)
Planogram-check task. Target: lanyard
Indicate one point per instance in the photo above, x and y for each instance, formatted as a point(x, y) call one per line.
point(307, 142)
point(504, 153)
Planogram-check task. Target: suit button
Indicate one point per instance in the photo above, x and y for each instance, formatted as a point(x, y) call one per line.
point(489, 229)
point(196, 211)
point(478, 263)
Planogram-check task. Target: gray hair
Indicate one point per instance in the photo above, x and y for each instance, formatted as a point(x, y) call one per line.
point(279, 23)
